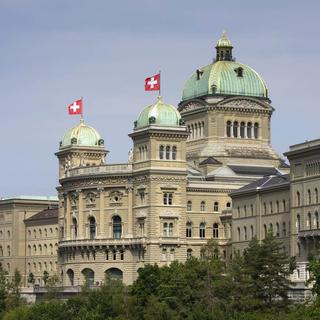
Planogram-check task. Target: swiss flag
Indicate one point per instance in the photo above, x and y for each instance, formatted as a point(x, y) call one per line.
point(152, 83)
point(75, 107)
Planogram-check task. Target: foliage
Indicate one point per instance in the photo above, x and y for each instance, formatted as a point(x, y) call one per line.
point(31, 278)
point(45, 276)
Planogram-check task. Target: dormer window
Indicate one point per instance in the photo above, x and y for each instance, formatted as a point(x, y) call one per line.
point(73, 140)
point(239, 72)
point(199, 74)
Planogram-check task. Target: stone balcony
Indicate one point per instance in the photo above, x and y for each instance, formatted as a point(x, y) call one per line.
point(310, 233)
point(122, 168)
point(106, 243)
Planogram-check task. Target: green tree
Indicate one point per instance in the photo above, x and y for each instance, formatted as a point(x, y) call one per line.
point(45, 276)
point(31, 278)
point(269, 267)
point(314, 279)
point(13, 298)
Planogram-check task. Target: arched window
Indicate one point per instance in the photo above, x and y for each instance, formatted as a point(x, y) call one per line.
point(284, 229)
point(171, 229)
point(45, 249)
point(70, 275)
point(34, 249)
point(316, 195)
point(228, 205)
point(172, 254)
point(202, 230)
point(40, 249)
point(216, 207)
point(265, 230)
point(51, 248)
point(164, 254)
point(298, 223)
point(245, 233)
point(235, 129)
point(165, 229)
point(277, 229)
point(117, 227)
point(251, 209)
point(168, 149)
point(309, 196)
point(88, 275)
point(271, 228)
point(189, 230)
point(189, 205)
point(174, 153)
point(251, 232)
point(75, 227)
point(189, 253)
point(8, 251)
point(161, 152)
point(271, 207)
point(92, 227)
point(249, 130)
point(29, 250)
point(229, 126)
point(239, 235)
point(242, 129)
point(203, 206)
point(278, 206)
point(309, 222)
point(265, 208)
point(256, 130)
point(284, 205)
point(316, 220)
point(215, 231)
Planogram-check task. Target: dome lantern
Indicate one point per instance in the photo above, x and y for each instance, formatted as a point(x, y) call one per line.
point(224, 48)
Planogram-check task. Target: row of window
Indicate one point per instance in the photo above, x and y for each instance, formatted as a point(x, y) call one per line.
point(168, 152)
point(196, 130)
point(168, 230)
point(313, 168)
point(38, 267)
point(312, 197)
point(203, 206)
point(245, 233)
point(143, 152)
point(312, 221)
point(8, 234)
point(8, 253)
point(42, 250)
point(270, 208)
point(39, 234)
point(92, 225)
point(242, 130)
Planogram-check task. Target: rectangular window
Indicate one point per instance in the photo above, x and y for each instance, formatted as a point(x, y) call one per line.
point(167, 198)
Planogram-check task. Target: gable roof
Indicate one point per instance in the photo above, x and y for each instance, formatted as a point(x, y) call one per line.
point(254, 170)
point(210, 160)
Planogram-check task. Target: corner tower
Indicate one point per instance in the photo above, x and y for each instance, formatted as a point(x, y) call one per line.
point(228, 113)
point(160, 180)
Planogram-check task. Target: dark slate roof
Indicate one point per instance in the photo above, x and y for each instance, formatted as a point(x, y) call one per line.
point(253, 170)
point(265, 183)
point(44, 214)
point(284, 165)
point(210, 160)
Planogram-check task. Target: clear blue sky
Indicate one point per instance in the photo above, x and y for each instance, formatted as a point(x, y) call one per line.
point(52, 52)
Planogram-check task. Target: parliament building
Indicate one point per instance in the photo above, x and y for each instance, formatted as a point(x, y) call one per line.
point(202, 170)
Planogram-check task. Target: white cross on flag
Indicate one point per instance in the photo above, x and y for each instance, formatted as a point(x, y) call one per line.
point(75, 107)
point(152, 83)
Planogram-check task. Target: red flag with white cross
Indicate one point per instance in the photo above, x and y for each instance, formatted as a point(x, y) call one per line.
point(152, 83)
point(75, 107)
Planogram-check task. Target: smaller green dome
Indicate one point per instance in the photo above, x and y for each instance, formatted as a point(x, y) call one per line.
point(224, 41)
point(160, 114)
point(82, 135)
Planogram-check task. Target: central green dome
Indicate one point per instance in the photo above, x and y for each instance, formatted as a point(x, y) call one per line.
point(225, 77)
point(82, 135)
point(159, 113)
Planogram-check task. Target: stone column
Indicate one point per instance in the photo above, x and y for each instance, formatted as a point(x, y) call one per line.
point(68, 217)
point(130, 213)
point(80, 215)
point(101, 217)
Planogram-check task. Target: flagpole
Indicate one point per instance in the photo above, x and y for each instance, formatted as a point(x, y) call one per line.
point(160, 83)
point(81, 117)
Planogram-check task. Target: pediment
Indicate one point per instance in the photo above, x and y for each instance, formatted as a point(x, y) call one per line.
point(245, 103)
